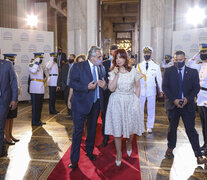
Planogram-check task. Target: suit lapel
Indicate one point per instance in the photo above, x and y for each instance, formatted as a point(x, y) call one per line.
point(108, 64)
point(185, 75)
point(175, 72)
point(88, 71)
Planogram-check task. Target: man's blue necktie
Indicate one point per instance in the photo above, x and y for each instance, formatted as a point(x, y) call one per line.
point(180, 84)
point(147, 65)
point(95, 79)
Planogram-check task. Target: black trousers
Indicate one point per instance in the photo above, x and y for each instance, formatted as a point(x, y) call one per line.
point(65, 93)
point(188, 118)
point(37, 102)
point(203, 116)
point(106, 95)
point(3, 113)
point(78, 126)
point(52, 100)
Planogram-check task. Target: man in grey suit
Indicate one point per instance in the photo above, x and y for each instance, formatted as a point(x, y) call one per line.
point(8, 96)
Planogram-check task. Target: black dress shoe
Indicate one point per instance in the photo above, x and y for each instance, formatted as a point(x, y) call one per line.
point(105, 141)
point(15, 140)
point(91, 156)
point(41, 123)
point(201, 160)
point(3, 154)
point(203, 148)
point(54, 112)
point(169, 154)
point(10, 143)
point(73, 165)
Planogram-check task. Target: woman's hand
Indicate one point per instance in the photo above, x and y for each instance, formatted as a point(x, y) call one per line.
point(116, 70)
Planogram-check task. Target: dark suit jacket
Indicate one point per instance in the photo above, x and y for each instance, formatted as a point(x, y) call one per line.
point(80, 77)
point(107, 66)
point(63, 57)
point(107, 92)
point(62, 77)
point(170, 87)
point(8, 83)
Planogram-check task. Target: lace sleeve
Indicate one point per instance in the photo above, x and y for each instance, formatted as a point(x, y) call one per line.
point(111, 75)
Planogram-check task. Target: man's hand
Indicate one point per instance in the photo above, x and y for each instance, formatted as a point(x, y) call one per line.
point(185, 101)
point(13, 105)
point(69, 105)
point(92, 85)
point(176, 102)
point(161, 95)
point(102, 83)
point(58, 88)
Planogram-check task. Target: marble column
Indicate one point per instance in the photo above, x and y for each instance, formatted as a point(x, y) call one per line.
point(21, 14)
point(133, 43)
point(77, 26)
point(70, 26)
point(145, 25)
point(152, 27)
point(55, 30)
point(157, 38)
point(168, 26)
point(181, 10)
point(40, 10)
point(92, 23)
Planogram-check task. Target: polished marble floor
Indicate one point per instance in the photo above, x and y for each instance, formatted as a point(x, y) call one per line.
point(40, 148)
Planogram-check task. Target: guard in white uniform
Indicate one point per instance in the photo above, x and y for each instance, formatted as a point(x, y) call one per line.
point(151, 73)
point(37, 88)
point(202, 95)
point(52, 69)
point(167, 62)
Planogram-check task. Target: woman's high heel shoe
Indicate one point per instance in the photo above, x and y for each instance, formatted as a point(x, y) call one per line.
point(118, 163)
point(129, 153)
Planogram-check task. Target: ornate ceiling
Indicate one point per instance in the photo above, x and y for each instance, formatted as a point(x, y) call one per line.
point(120, 10)
point(59, 5)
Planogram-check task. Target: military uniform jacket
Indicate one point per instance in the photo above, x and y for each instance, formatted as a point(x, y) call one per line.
point(37, 78)
point(52, 69)
point(148, 84)
point(202, 69)
point(165, 65)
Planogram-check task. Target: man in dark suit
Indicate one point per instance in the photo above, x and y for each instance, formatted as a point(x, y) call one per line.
point(181, 85)
point(62, 82)
point(87, 81)
point(8, 97)
point(71, 62)
point(107, 65)
point(61, 57)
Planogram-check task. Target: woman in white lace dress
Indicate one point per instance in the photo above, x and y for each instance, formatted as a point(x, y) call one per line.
point(124, 116)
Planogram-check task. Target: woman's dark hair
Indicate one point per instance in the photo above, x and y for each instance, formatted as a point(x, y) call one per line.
point(124, 55)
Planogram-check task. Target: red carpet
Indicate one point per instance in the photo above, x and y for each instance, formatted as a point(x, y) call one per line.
point(104, 168)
